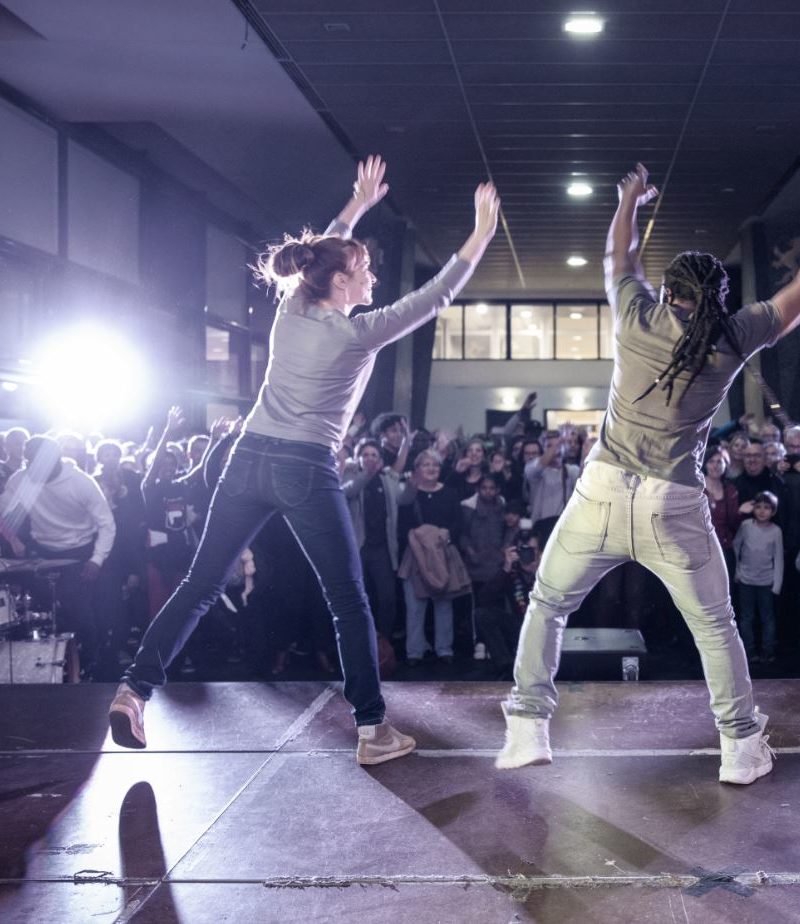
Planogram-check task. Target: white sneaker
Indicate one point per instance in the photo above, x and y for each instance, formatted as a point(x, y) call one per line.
point(744, 760)
point(379, 743)
point(527, 742)
point(480, 652)
point(126, 716)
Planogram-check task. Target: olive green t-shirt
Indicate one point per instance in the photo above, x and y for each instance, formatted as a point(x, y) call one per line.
point(648, 437)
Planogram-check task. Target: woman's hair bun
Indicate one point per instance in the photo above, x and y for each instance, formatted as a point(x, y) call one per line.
point(291, 258)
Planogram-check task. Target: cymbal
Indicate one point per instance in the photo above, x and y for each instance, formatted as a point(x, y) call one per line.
point(22, 565)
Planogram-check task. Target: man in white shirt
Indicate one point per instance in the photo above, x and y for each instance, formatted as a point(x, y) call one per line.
point(70, 518)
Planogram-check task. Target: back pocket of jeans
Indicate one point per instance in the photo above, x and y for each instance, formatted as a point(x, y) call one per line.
point(236, 476)
point(683, 537)
point(583, 525)
point(291, 483)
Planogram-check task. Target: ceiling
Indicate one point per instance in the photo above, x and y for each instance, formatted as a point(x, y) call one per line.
point(266, 102)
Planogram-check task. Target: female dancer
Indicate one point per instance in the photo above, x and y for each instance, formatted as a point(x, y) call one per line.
point(284, 462)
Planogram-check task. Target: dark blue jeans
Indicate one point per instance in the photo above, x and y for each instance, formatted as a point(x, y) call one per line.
point(757, 603)
point(299, 481)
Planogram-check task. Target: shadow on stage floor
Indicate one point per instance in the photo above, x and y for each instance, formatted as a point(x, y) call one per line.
point(248, 806)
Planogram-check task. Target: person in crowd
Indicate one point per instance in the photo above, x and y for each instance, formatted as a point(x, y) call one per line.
point(70, 520)
point(73, 446)
point(759, 573)
point(756, 478)
point(120, 596)
point(15, 440)
point(391, 431)
point(641, 493)
point(482, 533)
point(551, 481)
point(789, 468)
point(774, 454)
point(430, 502)
point(769, 432)
point(573, 444)
point(469, 470)
point(500, 470)
point(736, 449)
point(321, 357)
point(374, 491)
point(173, 527)
point(723, 504)
point(502, 602)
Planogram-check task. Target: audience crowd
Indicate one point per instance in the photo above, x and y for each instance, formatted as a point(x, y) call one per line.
point(450, 530)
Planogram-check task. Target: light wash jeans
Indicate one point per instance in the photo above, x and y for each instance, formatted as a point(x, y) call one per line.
point(616, 516)
point(416, 643)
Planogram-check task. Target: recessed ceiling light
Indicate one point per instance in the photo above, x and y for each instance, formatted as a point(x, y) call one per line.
point(576, 315)
point(577, 337)
point(527, 313)
point(584, 24)
point(482, 308)
point(579, 190)
point(577, 261)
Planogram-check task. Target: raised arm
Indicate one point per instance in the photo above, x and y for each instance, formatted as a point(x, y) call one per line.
point(787, 301)
point(368, 190)
point(623, 234)
point(172, 426)
point(487, 205)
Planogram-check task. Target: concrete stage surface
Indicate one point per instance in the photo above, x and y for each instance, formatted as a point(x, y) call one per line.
point(248, 806)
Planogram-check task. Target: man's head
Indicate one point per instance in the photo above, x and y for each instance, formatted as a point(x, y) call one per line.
point(769, 432)
point(693, 276)
point(368, 454)
point(754, 458)
point(791, 441)
point(16, 438)
point(531, 449)
point(487, 489)
point(196, 448)
point(552, 442)
point(513, 512)
point(42, 458)
point(773, 454)
point(389, 429)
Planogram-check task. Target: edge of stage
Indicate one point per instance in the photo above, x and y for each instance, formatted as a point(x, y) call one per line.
point(248, 805)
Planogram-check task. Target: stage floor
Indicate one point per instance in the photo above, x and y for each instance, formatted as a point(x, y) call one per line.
point(248, 806)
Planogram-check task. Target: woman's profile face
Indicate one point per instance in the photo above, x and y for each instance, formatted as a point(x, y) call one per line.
point(360, 281)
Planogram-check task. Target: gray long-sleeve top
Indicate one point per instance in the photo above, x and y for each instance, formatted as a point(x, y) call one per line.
point(759, 555)
point(320, 360)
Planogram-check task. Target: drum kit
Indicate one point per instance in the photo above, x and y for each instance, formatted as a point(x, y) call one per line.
point(31, 648)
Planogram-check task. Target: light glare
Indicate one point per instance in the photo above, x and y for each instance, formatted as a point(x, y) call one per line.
point(584, 25)
point(579, 190)
point(577, 261)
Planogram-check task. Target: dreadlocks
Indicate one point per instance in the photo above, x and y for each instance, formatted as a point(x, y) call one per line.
point(700, 278)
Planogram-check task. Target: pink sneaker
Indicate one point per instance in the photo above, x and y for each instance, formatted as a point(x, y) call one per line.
point(126, 717)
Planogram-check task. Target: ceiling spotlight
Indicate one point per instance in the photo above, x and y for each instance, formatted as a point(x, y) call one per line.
point(584, 24)
point(482, 308)
point(577, 261)
point(9, 386)
point(526, 313)
point(579, 190)
point(576, 315)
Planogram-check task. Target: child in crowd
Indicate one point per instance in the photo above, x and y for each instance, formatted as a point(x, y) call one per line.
point(759, 572)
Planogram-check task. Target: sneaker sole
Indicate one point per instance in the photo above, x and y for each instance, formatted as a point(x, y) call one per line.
point(755, 774)
point(515, 765)
point(122, 730)
point(382, 758)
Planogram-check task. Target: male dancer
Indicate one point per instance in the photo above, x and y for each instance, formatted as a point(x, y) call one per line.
point(641, 496)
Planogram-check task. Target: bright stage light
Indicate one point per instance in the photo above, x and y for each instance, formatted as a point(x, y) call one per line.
point(576, 261)
point(586, 24)
point(90, 378)
point(579, 190)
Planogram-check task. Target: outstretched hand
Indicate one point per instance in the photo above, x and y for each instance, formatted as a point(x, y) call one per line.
point(487, 206)
point(634, 186)
point(369, 187)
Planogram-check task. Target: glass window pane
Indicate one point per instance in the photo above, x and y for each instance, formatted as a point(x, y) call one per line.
point(531, 331)
point(606, 333)
point(484, 331)
point(447, 341)
point(258, 365)
point(576, 332)
point(222, 364)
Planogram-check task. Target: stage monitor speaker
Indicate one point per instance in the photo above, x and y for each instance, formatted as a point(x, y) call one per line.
point(40, 660)
point(602, 654)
